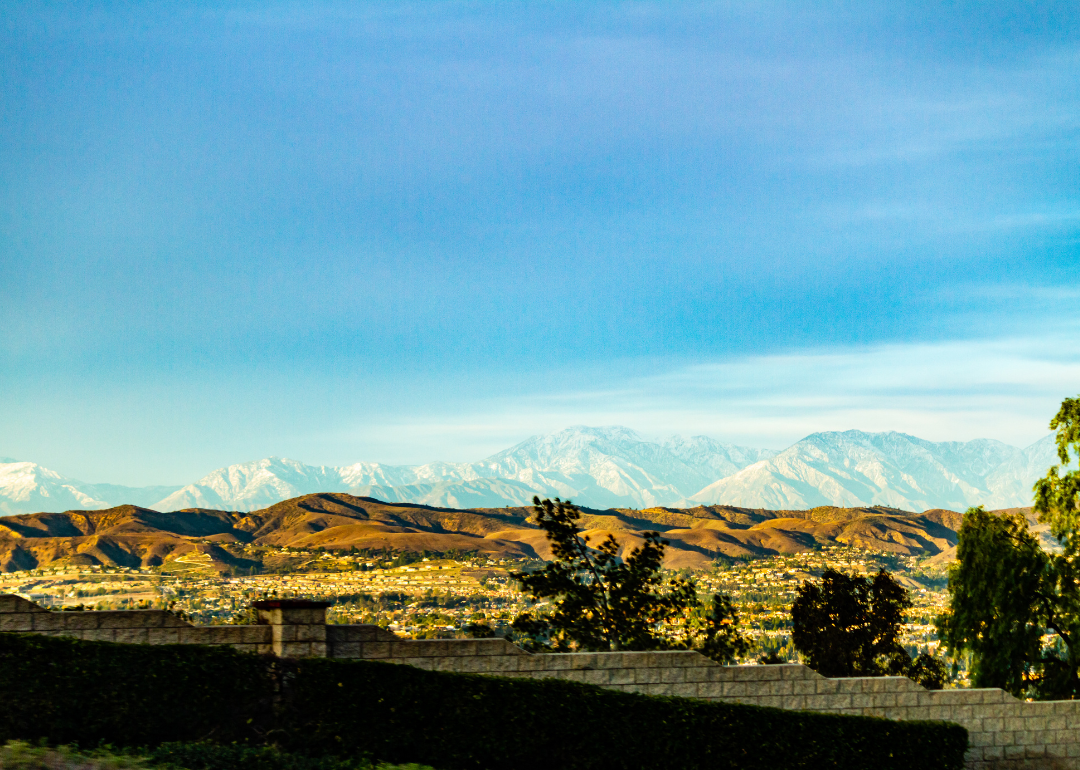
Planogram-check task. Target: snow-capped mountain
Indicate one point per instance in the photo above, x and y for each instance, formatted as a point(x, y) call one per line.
point(1012, 480)
point(27, 487)
point(894, 469)
point(621, 462)
point(600, 467)
point(604, 468)
point(254, 485)
point(479, 493)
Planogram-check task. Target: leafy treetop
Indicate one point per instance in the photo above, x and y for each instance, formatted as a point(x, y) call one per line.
point(999, 601)
point(1007, 592)
point(850, 626)
point(1057, 495)
point(601, 601)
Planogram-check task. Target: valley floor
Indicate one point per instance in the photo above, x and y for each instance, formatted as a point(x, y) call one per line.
point(432, 597)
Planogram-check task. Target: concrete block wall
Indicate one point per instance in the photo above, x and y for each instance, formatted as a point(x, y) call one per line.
point(131, 626)
point(1004, 733)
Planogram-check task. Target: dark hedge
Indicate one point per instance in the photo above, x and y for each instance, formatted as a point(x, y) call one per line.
point(131, 695)
point(465, 721)
point(88, 693)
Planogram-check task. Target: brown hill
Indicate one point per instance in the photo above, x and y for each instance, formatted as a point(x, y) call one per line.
point(131, 536)
point(1041, 531)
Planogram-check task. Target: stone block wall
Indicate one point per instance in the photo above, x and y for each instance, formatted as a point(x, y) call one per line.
point(1004, 733)
point(131, 626)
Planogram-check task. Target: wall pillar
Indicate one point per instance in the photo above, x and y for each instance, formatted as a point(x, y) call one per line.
point(298, 626)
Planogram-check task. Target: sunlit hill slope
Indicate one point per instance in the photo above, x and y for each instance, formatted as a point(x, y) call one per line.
point(131, 536)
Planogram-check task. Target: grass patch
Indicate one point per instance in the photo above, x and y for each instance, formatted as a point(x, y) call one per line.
point(20, 755)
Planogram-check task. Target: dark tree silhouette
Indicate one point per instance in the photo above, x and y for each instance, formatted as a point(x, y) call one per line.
point(845, 626)
point(850, 626)
point(599, 601)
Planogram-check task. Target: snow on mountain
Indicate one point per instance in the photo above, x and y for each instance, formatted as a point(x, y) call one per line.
point(478, 493)
point(611, 467)
point(360, 474)
point(1013, 479)
point(608, 466)
point(254, 485)
point(856, 468)
point(711, 458)
point(600, 467)
point(27, 487)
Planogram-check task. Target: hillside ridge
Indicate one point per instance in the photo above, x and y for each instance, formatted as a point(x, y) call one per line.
point(132, 536)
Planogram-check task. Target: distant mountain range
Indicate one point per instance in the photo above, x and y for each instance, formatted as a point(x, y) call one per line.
point(891, 469)
point(603, 468)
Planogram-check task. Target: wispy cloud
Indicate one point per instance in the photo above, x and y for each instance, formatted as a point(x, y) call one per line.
point(406, 231)
point(1004, 389)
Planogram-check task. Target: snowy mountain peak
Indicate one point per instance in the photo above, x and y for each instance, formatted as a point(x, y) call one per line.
point(605, 467)
point(27, 487)
point(895, 469)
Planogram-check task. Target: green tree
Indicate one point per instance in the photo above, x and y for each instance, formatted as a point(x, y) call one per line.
point(1057, 495)
point(599, 601)
point(929, 670)
point(712, 629)
point(479, 631)
point(995, 607)
point(1007, 592)
point(849, 625)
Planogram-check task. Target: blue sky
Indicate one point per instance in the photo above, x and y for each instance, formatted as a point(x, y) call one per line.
point(406, 232)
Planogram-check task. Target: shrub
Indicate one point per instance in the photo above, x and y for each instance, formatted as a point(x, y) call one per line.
point(18, 755)
point(88, 693)
point(463, 721)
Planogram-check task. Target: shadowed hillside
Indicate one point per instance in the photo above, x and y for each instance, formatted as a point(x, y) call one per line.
point(131, 536)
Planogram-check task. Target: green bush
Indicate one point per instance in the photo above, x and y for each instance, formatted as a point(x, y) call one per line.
point(88, 693)
point(464, 721)
point(69, 691)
